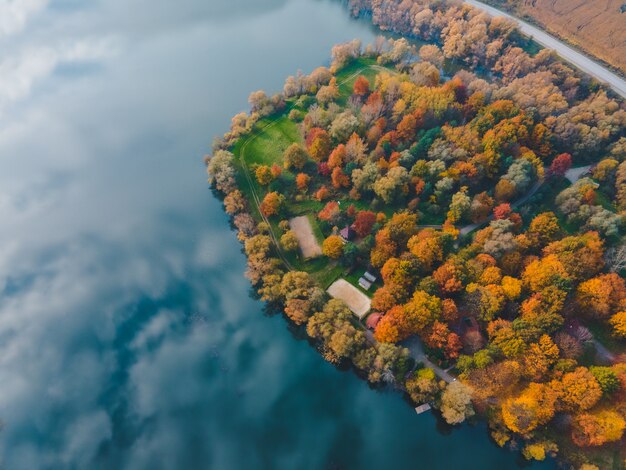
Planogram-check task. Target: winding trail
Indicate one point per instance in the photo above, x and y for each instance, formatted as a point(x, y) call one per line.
point(603, 352)
point(416, 351)
point(568, 53)
point(470, 228)
point(573, 175)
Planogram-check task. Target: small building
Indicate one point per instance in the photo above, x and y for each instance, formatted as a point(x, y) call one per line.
point(373, 320)
point(347, 233)
point(364, 283)
point(370, 277)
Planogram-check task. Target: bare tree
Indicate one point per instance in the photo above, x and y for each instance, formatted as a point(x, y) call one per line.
point(616, 258)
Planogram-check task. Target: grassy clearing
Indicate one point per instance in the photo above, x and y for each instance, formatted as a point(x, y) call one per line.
point(353, 278)
point(306, 207)
point(266, 144)
point(272, 141)
point(354, 67)
point(347, 76)
point(329, 274)
point(605, 201)
point(317, 231)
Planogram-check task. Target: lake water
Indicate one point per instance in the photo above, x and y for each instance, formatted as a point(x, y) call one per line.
point(128, 337)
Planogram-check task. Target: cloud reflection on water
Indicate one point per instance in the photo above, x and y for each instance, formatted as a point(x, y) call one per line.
point(127, 337)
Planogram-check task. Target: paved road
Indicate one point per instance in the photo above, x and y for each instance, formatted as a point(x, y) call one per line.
point(416, 351)
point(470, 228)
point(573, 174)
point(603, 352)
point(576, 58)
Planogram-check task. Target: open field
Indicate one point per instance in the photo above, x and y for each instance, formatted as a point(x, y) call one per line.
point(597, 27)
point(356, 300)
point(309, 245)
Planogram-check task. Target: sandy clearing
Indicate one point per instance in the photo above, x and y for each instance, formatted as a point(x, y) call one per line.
point(301, 226)
point(356, 300)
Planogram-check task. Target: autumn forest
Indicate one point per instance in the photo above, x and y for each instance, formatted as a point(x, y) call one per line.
point(481, 182)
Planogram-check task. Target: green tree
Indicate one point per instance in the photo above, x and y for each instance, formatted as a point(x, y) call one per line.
point(607, 379)
point(295, 157)
point(422, 386)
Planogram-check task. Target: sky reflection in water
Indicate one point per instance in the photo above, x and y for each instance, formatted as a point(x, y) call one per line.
point(127, 335)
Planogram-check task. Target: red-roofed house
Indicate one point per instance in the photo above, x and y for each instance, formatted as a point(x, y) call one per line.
point(347, 233)
point(373, 320)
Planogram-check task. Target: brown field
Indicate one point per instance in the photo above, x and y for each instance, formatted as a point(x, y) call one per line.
point(356, 300)
point(301, 226)
point(597, 27)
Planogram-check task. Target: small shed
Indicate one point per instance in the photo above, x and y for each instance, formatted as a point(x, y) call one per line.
point(373, 320)
point(347, 233)
point(369, 276)
point(364, 283)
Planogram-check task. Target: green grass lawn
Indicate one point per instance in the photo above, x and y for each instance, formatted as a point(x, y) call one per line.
point(309, 206)
point(329, 274)
point(355, 275)
point(348, 75)
point(271, 141)
point(355, 66)
point(266, 144)
point(605, 201)
point(317, 231)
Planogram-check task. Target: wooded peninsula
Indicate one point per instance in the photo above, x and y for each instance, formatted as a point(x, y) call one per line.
point(449, 219)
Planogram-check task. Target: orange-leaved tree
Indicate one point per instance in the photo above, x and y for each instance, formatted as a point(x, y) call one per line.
point(333, 247)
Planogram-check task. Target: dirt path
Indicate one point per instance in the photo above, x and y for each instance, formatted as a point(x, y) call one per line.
point(603, 352)
point(416, 351)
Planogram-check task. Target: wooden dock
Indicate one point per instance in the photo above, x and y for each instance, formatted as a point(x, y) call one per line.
point(422, 408)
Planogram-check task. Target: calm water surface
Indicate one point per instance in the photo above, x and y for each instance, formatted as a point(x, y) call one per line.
point(128, 338)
